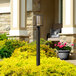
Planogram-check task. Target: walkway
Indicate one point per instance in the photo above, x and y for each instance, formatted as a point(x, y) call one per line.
point(72, 61)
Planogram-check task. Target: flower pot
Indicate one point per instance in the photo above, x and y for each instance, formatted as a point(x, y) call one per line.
point(63, 54)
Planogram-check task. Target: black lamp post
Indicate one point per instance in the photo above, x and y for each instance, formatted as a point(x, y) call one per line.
point(38, 23)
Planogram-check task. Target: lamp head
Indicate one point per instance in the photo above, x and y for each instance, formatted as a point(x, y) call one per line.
point(38, 20)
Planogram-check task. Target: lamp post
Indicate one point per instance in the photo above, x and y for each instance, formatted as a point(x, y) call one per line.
point(38, 23)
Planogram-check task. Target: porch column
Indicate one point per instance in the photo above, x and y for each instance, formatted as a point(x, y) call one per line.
point(69, 22)
point(18, 18)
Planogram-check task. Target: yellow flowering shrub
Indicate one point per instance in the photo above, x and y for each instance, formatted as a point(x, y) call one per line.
point(49, 52)
point(31, 50)
point(22, 65)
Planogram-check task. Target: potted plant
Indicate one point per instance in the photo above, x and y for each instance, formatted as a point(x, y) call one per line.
point(63, 50)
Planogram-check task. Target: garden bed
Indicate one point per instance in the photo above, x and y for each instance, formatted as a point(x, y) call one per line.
point(21, 60)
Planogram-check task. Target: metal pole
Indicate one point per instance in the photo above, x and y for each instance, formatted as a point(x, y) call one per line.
point(38, 46)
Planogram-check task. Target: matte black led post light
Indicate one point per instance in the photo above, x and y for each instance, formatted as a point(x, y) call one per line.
point(38, 23)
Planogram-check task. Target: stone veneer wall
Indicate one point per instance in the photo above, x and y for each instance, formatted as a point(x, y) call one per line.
point(30, 26)
point(48, 18)
point(48, 12)
point(5, 22)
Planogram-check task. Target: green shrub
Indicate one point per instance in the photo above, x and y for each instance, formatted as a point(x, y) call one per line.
point(3, 36)
point(21, 65)
point(8, 46)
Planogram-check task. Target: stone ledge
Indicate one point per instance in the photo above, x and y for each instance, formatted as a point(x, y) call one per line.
point(66, 34)
point(4, 32)
point(17, 36)
point(53, 39)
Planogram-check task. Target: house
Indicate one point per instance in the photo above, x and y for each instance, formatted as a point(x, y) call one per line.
point(17, 18)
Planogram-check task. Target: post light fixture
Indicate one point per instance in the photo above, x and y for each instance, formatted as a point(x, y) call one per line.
point(38, 24)
point(39, 21)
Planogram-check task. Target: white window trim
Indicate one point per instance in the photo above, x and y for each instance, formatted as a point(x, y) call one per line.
point(5, 9)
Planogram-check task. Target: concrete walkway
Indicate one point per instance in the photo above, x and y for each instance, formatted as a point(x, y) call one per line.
point(72, 61)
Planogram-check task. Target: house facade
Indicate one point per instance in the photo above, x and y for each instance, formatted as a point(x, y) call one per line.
point(17, 18)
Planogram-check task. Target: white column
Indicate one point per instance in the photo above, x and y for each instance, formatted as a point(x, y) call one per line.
point(69, 26)
point(15, 13)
